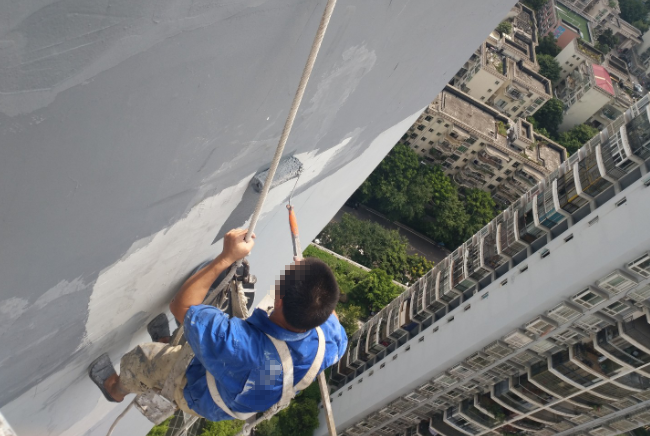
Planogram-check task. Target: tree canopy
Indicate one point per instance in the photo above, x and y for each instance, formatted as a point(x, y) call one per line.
point(480, 208)
point(376, 290)
point(504, 28)
point(577, 137)
point(549, 116)
point(535, 5)
point(549, 67)
point(606, 41)
point(548, 46)
point(633, 10)
point(372, 246)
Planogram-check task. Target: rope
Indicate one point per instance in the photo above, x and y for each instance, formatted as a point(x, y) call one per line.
point(288, 125)
point(119, 417)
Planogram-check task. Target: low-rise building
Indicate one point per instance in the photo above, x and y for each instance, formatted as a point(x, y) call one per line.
point(481, 148)
point(587, 19)
point(590, 96)
point(503, 72)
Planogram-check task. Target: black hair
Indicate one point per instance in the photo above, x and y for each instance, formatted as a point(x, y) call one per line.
point(309, 293)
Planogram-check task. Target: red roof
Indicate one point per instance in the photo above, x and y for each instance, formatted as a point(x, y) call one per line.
point(603, 81)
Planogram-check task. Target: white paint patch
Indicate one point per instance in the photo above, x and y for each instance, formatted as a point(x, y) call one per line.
point(10, 310)
point(146, 278)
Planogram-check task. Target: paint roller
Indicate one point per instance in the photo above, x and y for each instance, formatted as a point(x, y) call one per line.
point(288, 168)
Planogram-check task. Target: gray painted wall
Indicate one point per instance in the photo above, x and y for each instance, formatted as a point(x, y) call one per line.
point(129, 132)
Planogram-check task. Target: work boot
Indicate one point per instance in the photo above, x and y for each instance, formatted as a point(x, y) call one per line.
point(158, 329)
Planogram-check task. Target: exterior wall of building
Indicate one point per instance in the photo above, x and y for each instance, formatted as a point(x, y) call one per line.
point(506, 164)
point(583, 108)
point(130, 133)
point(539, 322)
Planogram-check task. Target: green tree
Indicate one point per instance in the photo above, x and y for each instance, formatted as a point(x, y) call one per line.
point(548, 46)
point(549, 67)
point(449, 223)
point(221, 428)
point(418, 266)
point(369, 244)
point(607, 38)
point(577, 137)
point(603, 47)
point(550, 116)
point(535, 5)
point(400, 186)
point(376, 290)
point(642, 25)
point(613, 4)
point(504, 28)
point(633, 10)
point(299, 419)
point(349, 317)
point(160, 429)
point(480, 208)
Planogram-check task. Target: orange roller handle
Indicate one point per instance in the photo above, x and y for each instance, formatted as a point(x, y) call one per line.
point(293, 225)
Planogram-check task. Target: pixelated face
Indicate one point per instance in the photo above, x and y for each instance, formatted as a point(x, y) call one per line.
point(295, 271)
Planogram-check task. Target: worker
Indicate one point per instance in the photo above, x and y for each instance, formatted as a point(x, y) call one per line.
point(242, 357)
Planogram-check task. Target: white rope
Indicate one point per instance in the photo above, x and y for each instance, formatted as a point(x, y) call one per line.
point(119, 417)
point(288, 125)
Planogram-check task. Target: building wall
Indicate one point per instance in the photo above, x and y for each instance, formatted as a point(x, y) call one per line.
point(580, 111)
point(130, 132)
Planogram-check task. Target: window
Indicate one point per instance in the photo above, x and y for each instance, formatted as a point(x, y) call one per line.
point(471, 140)
point(446, 125)
point(439, 121)
point(499, 179)
point(490, 186)
point(497, 82)
point(489, 90)
point(515, 165)
point(465, 160)
point(423, 139)
point(578, 58)
point(462, 149)
point(641, 265)
point(615, 308)
point(540, 100)
point(421, 127)
point(482, 98)
point(616, 282)
point(407, 143)
point(540, 326)
point(588, 298)
point(430, 142)
point(573, 56)
point(428, 118)
point(508, 172)
point(515, 108)
point(567, 62)
point(438, 134)
point(570, 65)
point(413, 135)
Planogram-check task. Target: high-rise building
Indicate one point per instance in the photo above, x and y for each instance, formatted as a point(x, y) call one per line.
point(481, 148)
point(538, 324)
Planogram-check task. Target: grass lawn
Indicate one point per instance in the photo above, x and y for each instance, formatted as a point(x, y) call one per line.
point(574, 19)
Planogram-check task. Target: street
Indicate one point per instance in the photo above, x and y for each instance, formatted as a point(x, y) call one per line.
point(417, 245)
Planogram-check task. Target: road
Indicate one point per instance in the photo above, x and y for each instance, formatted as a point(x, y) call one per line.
point(417, 245)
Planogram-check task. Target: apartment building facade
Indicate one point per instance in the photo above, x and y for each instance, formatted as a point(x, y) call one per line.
point(503, 72)
point(539, 324)
point(481, 148)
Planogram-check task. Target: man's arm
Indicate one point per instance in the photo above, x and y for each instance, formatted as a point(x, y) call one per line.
point(195, 289)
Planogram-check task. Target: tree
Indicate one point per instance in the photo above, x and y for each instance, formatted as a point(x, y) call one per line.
point(535, 5)
point(221, 428)
point(349, 318)
point(504, 28)
point(607, 38)
point(400, 186)
point(642, 25)
point(633, 10)
point(377, 289)
point(480, 208)
point(548, 46)
point(299, 419)
point(369, 244)
point(549, 67)
point(449, 222)
point(603, 47)
point(418, 266)
point(550, 116)
point(577, 137)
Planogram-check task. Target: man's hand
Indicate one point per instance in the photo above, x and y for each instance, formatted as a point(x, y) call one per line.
point(195, 289)
point(234, 245)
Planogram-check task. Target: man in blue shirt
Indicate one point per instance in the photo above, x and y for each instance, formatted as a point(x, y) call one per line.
point(240, 366)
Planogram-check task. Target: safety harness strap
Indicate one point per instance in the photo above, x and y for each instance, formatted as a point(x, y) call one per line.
point(288, 390)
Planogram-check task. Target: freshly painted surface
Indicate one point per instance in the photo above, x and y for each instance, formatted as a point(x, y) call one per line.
point(129, 133)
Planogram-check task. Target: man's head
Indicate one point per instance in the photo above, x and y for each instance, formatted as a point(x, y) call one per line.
point(309, 293)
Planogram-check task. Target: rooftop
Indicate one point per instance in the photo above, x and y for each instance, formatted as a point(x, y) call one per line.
point(468, 113)
point(532, 78)
point(574, 19)
point(603, 81)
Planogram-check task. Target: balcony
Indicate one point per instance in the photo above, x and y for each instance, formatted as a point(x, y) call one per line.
point(502, 395)
point(490, 160)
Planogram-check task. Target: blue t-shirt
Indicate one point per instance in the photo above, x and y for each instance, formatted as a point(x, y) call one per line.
point(244, 361)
